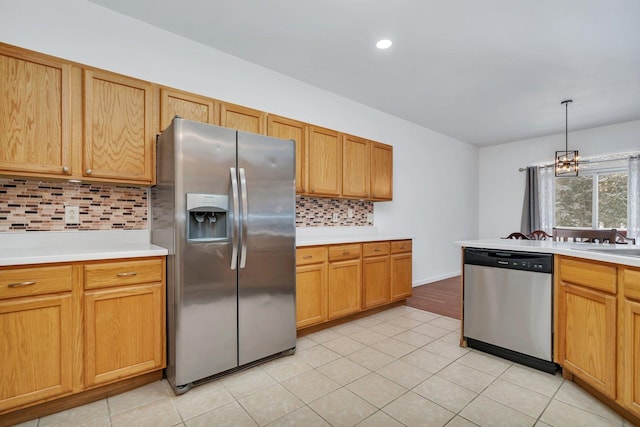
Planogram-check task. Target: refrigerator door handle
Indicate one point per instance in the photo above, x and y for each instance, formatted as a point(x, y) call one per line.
point(235, 231)
point(245, 219)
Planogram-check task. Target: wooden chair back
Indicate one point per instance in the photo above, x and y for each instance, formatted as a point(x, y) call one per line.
point(539, 235)
point(585, 235)
point(516, 235)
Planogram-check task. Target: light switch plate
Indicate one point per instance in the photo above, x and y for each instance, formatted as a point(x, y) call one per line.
point(370, 218)
point(71, 215)
point(349, 213)
point(335, 217)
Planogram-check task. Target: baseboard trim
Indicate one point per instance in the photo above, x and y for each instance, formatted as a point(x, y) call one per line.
point(432, 279)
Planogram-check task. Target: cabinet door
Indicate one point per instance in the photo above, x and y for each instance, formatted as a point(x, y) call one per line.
point(242, 118)
point(311, 294)
point(345, 285)
point(119, 139)
point(375, 281)
point(324, 162)
point(36, 350)
point(35, 121)
point(280, 127)
point(401, 276)
point(124, 332)
point(587, 336)
point(188, 106)
point(356, 154)
point(629, 374)
point(381, 171)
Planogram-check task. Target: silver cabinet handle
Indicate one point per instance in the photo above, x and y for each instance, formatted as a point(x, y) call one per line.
point(245, 218)
point(127, 274)
point(88, 171)
point(65, 169)
point(17, 285)
point(235, 230)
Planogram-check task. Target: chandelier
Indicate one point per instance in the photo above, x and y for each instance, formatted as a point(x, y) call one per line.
point(566, 161)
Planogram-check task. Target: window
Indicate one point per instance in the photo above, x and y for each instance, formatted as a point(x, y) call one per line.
point(595, 199)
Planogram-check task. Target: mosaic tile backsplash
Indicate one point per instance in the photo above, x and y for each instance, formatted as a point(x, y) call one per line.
point(27, 205)
point(39, 206)
point(317, 212)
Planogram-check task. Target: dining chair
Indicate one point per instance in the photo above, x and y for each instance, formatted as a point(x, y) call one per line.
point(585, 235)
point(518, 236)
point(538, 235)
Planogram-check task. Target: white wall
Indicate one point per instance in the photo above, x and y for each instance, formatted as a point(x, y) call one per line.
point(502, 186)
point(434, 203)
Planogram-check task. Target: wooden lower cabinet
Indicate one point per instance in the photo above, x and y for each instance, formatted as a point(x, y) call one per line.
point(334, 281)
point(67, 328)
point(629, 346)
point(124, 332)
point(311, 294)
point(345, 288)
point(597, 328)
point(376, 275)
point(586, 322)
point(36, 350)
point(588, 347)
point(401, 270)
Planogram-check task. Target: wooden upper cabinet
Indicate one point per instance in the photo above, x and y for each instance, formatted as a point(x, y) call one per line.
point(118, 128)
point(35, 119)
point(356, 154)
point(324, 162)
point(242, 118)
point(280, 127)
point(188, 106)
point(381, 171)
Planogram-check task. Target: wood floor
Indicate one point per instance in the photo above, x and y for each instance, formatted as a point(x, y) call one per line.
point(442, 297)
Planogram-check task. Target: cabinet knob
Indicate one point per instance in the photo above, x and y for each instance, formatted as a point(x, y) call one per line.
point(307, 257)
point(65, 169)
point(88, 171)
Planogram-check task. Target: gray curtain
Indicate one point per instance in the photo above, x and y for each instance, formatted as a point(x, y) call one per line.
point(531, 206)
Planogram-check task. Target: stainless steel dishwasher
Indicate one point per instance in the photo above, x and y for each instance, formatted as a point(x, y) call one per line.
point(508, 305)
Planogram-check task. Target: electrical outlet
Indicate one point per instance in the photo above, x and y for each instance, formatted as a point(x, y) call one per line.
point(370, 218)
point(71, 215)
point(350, 213)
point(335, 217)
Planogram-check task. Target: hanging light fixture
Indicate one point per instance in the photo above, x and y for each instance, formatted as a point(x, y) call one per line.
point(566, 161)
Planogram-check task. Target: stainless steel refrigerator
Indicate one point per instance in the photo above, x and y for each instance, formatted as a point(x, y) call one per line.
point(224, 207)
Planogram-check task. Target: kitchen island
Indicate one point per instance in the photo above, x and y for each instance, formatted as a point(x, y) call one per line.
point(596, 316)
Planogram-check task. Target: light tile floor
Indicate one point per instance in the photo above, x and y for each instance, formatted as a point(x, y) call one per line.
point(399, 367)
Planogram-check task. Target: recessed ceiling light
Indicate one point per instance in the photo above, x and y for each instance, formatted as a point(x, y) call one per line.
point(384, 44)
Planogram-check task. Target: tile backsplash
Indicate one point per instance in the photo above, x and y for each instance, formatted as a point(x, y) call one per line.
point(39, 206)
point(29, 205)
point(318, 212)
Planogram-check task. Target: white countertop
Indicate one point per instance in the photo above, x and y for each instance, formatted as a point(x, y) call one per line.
point(310, 236)
point(579, 250)
point(66, 246)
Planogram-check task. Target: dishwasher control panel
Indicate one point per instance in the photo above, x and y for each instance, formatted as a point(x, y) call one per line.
point(527, 261)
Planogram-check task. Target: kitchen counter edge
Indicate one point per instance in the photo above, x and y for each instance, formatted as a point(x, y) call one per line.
point(573, 249)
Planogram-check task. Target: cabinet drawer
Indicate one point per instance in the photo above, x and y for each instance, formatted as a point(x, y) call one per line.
point(18, 282)
point(375, 249)
point(630, 279)
point(340, 252)
point(313, 255)
point(398, 246)
point(102, 275)
point(588, 273)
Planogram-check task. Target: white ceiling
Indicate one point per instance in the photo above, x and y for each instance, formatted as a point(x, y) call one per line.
point(482, 71)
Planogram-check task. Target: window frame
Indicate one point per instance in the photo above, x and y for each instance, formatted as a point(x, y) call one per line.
point(594, 174)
